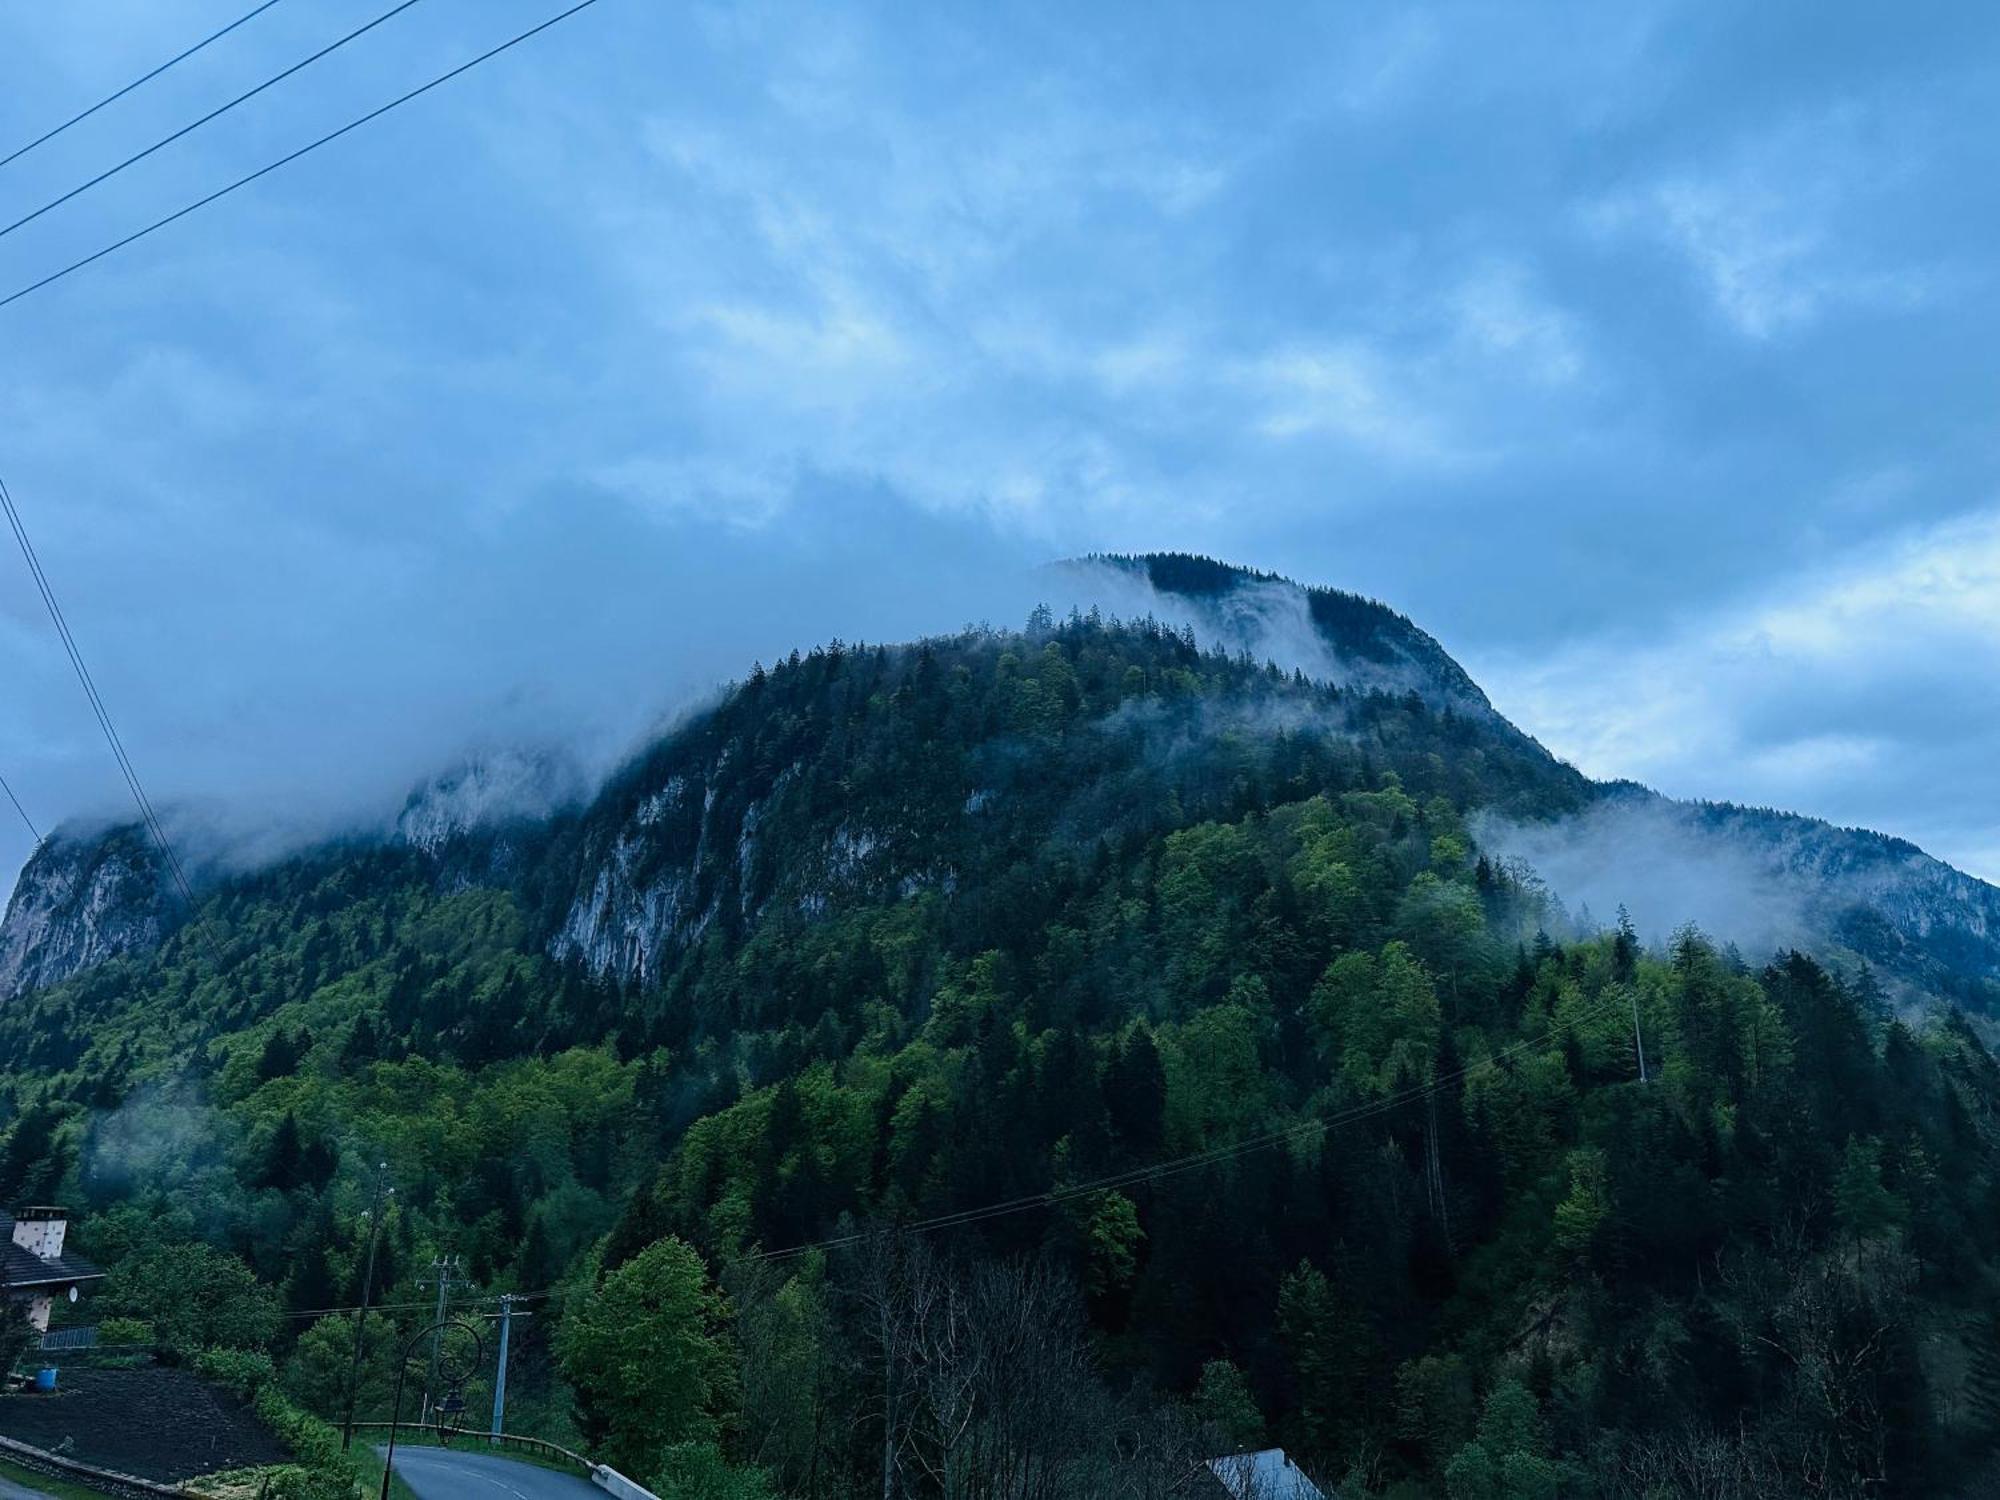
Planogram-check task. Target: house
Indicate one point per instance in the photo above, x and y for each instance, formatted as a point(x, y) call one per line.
point(1266, 1475)
point(34, 1270)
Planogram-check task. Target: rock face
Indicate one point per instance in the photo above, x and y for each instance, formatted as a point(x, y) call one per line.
point(1346, 639)
point(79, 901)
point(487, 792)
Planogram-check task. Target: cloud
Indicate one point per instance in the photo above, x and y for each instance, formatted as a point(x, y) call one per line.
point(1848, 691)
point(1772, 230)
point(688, 335)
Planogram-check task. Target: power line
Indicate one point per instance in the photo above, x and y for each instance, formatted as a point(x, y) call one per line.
point(113, 98)
point(188, 129)
point(331, 136)
point(69, 890)
point(1215, 1155)
point(33, 831)
point(145, 805)
point(383, 1307)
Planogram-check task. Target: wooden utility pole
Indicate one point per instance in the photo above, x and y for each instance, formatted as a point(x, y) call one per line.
point(382, 1192)
point(1638, 1039)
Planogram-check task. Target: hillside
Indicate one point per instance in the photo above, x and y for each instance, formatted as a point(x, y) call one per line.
point(1760, 878)
point(981, 933)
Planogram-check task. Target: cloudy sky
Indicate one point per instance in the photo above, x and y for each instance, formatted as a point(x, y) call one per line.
point(1642, 352)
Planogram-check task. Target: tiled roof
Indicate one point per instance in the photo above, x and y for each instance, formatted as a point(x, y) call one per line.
point(23, 1268)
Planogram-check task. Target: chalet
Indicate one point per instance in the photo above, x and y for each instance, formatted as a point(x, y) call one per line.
point(34, 1270)
point(1266, 1475)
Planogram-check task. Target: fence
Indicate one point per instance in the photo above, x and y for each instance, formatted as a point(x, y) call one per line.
point(503, 1439)
point(59, 1339)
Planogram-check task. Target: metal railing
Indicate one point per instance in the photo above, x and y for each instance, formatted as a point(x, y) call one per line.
point(448, 1435)
point(57, 1339)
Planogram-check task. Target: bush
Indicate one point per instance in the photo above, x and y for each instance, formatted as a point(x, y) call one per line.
point(121, 1331)
point(698, 1471)
point(249, 1374)
point(242, 1371)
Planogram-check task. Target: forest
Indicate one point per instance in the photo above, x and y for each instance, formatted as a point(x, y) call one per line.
point(1107, 1054)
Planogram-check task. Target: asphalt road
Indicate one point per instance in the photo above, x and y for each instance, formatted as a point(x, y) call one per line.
point(449, 1474)
point(12, 1491)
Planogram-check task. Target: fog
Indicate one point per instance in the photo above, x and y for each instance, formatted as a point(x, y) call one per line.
point(249, 758)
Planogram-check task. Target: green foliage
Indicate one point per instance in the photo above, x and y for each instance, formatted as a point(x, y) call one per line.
point(1112, 1237)
point(243, 1371)
point(1225, 1408)
point(698, 1471)
point(1863, 1205)
point(646, 1355)
point(322, 1472)
point(1435, 1406)
point(957, 925)
point(17, 1335)
point(1509, 1459)
point(317, 1374)
point(195, 1297)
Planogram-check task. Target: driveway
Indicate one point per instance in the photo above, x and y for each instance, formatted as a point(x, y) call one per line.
point(448, 1474)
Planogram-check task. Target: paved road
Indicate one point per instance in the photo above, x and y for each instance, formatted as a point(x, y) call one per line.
point(12, 1491)
point(454, 1474)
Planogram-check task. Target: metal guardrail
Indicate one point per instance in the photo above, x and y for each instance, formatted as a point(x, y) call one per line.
point(448, 1435)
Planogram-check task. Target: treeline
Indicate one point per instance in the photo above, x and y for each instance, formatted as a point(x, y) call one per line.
point(1023, 913)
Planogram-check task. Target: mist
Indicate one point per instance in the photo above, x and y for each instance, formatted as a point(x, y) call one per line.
point(1667, 869)
point(553, 644)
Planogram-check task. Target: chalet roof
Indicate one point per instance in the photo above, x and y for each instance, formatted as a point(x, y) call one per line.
point(20, 1267)
point(1268, 1475)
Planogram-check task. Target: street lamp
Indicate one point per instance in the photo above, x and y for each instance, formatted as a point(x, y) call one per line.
point(383, 1192)
point(452, 1376)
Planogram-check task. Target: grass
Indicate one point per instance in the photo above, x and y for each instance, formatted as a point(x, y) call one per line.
point(61, 1489)
point(368, 1464)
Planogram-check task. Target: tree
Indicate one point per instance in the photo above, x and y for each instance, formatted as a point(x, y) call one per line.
point(1583, 1209)
point(195, 1296)
point(17, 1334)
point(648, 1358)
point(317, 1374)
point(1111, 1242)
point(1226, 1409)
point(1863, 1205)
point(1509, 1459)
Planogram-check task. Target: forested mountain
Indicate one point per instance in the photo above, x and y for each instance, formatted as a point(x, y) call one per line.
point(1022, 1062)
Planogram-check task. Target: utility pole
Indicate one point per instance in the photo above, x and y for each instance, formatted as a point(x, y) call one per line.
point(500, 1380)
point(445, 1269)
point(1638, 1039)
point(382, 1192)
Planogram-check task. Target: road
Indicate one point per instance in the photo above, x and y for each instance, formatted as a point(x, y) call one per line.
point(452, 1474)
point(12, 1491)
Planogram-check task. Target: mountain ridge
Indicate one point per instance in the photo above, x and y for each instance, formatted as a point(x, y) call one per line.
point(1935, 930)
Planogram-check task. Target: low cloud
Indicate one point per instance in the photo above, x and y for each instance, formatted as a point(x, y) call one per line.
point(1664, 868)
point(1848, 693)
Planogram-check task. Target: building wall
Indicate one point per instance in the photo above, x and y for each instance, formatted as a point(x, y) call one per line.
point(41, 1237)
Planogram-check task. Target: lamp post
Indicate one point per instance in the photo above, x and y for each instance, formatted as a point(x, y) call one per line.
point(382, 1192)
point(451, 1376)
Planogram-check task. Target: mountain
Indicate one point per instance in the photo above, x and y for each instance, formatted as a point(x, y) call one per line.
point(82, 898)
point(1756, 877)
point(1170, 1028)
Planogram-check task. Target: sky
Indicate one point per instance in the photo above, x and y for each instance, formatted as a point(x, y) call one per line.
point(1642, 353)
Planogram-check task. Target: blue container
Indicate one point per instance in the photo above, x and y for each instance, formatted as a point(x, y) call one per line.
point(45, 1378)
